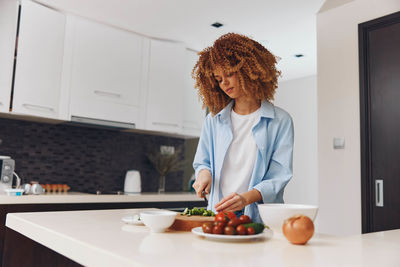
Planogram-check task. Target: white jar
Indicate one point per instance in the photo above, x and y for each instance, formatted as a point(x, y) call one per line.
point(132, 182)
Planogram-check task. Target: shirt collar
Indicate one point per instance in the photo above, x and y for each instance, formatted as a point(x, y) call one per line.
point(267, 111)
point(225, 113)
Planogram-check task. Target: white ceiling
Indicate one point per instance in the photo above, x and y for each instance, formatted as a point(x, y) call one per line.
point(286, 27)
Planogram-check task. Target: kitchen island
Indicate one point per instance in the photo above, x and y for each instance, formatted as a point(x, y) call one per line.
point(100, 238)
point(84, 201)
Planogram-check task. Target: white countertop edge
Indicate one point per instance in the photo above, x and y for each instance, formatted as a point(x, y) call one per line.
point(66, 245)
point(92, 198)
point(95, 238)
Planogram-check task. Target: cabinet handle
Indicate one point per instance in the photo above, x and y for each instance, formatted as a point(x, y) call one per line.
point(37, 107)
point(192, 128)
point(379, 193)
point(109, 94)
point(165, 124)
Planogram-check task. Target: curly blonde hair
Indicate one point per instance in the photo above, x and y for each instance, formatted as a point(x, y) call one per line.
point(235, 53)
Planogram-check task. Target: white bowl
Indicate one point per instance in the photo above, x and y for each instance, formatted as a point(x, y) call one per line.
point(158, 220)
point(274, 214)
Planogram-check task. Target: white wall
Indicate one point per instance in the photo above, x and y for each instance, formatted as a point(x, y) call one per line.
point(338, 112)
point(299, 98)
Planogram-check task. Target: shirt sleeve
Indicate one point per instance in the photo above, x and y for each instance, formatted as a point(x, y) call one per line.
point(202, 156)
point(280, 169)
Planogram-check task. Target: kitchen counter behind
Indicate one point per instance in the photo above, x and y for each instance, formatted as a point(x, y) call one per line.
point(76, 197)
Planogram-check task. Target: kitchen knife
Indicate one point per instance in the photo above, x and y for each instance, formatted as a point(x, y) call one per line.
point(204, 195)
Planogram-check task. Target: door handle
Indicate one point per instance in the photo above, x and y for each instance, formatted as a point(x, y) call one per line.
point(379, 193)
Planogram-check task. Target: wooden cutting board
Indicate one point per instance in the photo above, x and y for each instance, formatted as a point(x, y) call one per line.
point(186, 223)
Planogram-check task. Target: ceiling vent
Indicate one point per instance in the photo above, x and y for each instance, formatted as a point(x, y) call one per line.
point(217, 24)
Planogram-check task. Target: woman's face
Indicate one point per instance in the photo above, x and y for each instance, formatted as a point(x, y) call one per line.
point(228, 82)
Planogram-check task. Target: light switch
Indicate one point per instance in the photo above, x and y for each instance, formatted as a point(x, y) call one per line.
point(338, 143)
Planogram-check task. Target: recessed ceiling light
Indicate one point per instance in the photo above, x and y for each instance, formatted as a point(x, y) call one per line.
point(217, 24)
point(299, 55)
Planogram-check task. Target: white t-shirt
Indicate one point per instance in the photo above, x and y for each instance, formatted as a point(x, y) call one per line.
point(239, 160)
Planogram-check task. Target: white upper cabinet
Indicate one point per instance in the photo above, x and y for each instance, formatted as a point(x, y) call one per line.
point(68, 66)
point(8, 32)
point(39, 61)
point(164, 110)
point(193, 114)
point(106, 71)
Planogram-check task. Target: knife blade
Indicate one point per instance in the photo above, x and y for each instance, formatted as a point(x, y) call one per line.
point(204, 195)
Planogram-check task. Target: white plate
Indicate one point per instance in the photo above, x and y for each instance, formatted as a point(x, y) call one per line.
point(133, 219)
point(266, 234)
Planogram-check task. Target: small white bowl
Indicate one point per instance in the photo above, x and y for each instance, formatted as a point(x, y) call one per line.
point(274, 214)
point(158, 220)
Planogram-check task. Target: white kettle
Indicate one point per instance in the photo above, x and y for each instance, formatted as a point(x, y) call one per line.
point(132, 182)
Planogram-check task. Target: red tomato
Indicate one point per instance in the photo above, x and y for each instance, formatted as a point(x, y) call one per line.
point(207, 227)
point(244, 219)
point(221, 216)
point(220, 223)
point(241, 230)
point(234, 222)
point(207, 224)
point(229, 230)
point(250, 231)
point(218, 230)
point(231, 215)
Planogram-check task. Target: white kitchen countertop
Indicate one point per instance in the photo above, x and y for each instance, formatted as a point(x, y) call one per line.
point(100, 238)
point(75, 197)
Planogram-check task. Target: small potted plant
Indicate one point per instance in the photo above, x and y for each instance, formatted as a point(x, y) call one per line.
point(165, 163)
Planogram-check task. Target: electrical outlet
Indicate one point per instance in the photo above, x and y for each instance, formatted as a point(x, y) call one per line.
point(167, 150)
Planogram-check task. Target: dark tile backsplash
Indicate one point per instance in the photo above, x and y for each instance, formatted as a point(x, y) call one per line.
point(87, 159)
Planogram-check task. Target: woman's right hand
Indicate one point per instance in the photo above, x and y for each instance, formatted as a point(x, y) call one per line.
point(203, 182)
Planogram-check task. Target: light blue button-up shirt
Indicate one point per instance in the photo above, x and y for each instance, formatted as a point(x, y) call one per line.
point(273, 135)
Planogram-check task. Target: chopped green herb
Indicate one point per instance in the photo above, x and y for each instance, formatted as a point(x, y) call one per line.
point(198, 211)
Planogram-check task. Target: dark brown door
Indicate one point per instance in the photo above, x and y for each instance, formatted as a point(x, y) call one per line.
point(380, 122)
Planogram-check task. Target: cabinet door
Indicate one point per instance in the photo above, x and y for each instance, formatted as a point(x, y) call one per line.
point(39, 61)
point(8, 30)
point(106, 72)
point(165, 87)
point(193, 114)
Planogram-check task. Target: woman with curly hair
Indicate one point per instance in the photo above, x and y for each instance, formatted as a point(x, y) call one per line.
point(245, 151)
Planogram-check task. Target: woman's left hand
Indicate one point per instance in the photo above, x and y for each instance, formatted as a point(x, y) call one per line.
point(231, 202)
